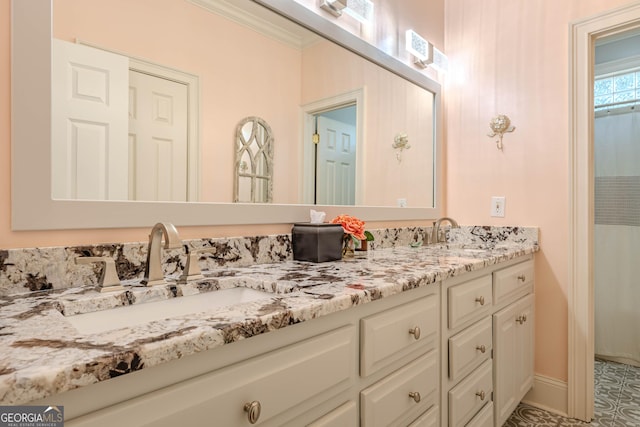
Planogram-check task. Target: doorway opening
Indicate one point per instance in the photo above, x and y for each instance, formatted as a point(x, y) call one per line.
point(617, 189)
point(335, 156)
point(584, 35)
point(333, 151)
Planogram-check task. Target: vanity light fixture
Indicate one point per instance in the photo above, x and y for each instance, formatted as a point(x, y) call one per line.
point(440, 61)
point(499, 125)
point(361, 10)
point(334, 7)
point(421, 49)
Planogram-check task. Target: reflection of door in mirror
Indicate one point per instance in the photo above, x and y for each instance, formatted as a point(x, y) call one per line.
point(254, 162)
point(336, 157)
point(157, 138)
point(95, 154)
point(89, 123)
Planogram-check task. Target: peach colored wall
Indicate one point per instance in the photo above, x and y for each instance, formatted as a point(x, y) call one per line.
point(511, 58)
point(11, 239)
point(391, 106)
point(197, 42)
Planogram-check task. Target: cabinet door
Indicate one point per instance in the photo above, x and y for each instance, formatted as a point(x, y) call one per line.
point(525, 362)
point(512, 282)
point(469, 300)
point(513, 355)
point(343, 416)
point(428, 419)
point(483, 418)
point(387, 336)
point(272, 387)
point(402, 395)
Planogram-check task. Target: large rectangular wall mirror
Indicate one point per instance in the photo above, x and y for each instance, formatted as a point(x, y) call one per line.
point(123, 128)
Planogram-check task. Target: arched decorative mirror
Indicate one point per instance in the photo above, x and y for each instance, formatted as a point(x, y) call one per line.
point(254, 162)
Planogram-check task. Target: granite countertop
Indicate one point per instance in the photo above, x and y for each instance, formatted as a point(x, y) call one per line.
point(43, 354)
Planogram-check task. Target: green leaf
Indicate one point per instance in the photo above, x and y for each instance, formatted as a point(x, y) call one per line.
point(369, 236)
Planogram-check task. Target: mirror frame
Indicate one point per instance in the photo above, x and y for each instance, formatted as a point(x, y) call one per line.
point(32, 206)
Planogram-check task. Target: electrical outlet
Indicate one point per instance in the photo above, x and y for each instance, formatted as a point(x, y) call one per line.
point(402, 203)
point(497, 206)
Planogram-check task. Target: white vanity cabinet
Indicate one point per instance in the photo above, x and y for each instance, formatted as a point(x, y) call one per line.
point(455, 353)
point(487, 343)
point(377, 364)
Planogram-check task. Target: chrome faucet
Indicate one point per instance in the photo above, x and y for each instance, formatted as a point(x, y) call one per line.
point(153, 274)
point(435, 231)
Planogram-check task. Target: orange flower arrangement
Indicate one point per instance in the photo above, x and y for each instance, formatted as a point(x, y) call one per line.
point(353, 227)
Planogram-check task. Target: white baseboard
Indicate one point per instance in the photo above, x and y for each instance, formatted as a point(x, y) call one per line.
point(549, 394)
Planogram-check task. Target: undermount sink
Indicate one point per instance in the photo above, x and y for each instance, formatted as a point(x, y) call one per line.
point(138, 314)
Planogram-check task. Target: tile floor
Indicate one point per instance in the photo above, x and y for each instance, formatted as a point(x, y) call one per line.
point(617, 401)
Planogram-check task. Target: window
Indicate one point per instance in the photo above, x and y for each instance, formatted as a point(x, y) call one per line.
point(617, 90)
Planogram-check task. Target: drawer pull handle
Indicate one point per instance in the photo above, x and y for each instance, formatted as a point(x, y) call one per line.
point(481, 348)
point(521, 319)
point(415, 332)
point(480, 394)
point(480, 299)
point(415, 396)
point(253, 411)
point(522, 277)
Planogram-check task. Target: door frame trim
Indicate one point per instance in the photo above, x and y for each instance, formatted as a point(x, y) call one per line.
point(580, 292)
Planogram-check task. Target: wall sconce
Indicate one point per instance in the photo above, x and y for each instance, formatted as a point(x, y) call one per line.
point(362, 10)
point(499, 126)
point(400, 143)
point(421, 49)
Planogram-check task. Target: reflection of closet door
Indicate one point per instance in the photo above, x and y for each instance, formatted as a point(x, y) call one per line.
point(158, 114)
point(336, 163)
point(89, 123)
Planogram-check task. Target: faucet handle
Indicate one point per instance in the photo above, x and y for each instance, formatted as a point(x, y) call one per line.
point(192, 269)
point(109, 280)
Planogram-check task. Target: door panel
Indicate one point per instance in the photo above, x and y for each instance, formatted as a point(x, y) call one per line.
point(336, 162)
point(158, 131)
point(89, 123)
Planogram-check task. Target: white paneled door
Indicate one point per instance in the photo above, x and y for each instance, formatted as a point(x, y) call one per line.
point(335, 162)
point(158, 135)
point(89, 123)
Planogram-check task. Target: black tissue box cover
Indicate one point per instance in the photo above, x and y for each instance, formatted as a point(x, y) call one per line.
point(317, 242)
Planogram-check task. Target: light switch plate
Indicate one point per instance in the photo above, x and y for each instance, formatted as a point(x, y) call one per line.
point(497, 206)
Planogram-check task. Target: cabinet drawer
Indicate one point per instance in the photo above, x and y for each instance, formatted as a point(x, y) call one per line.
point(469, 348)
point(484, 418)
point(469, 300)
point(468, 397)
point(344, 415)
point(391, 401)
point(283, 379)
point(387, 336)
point(428, 419)
point(512, 282)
